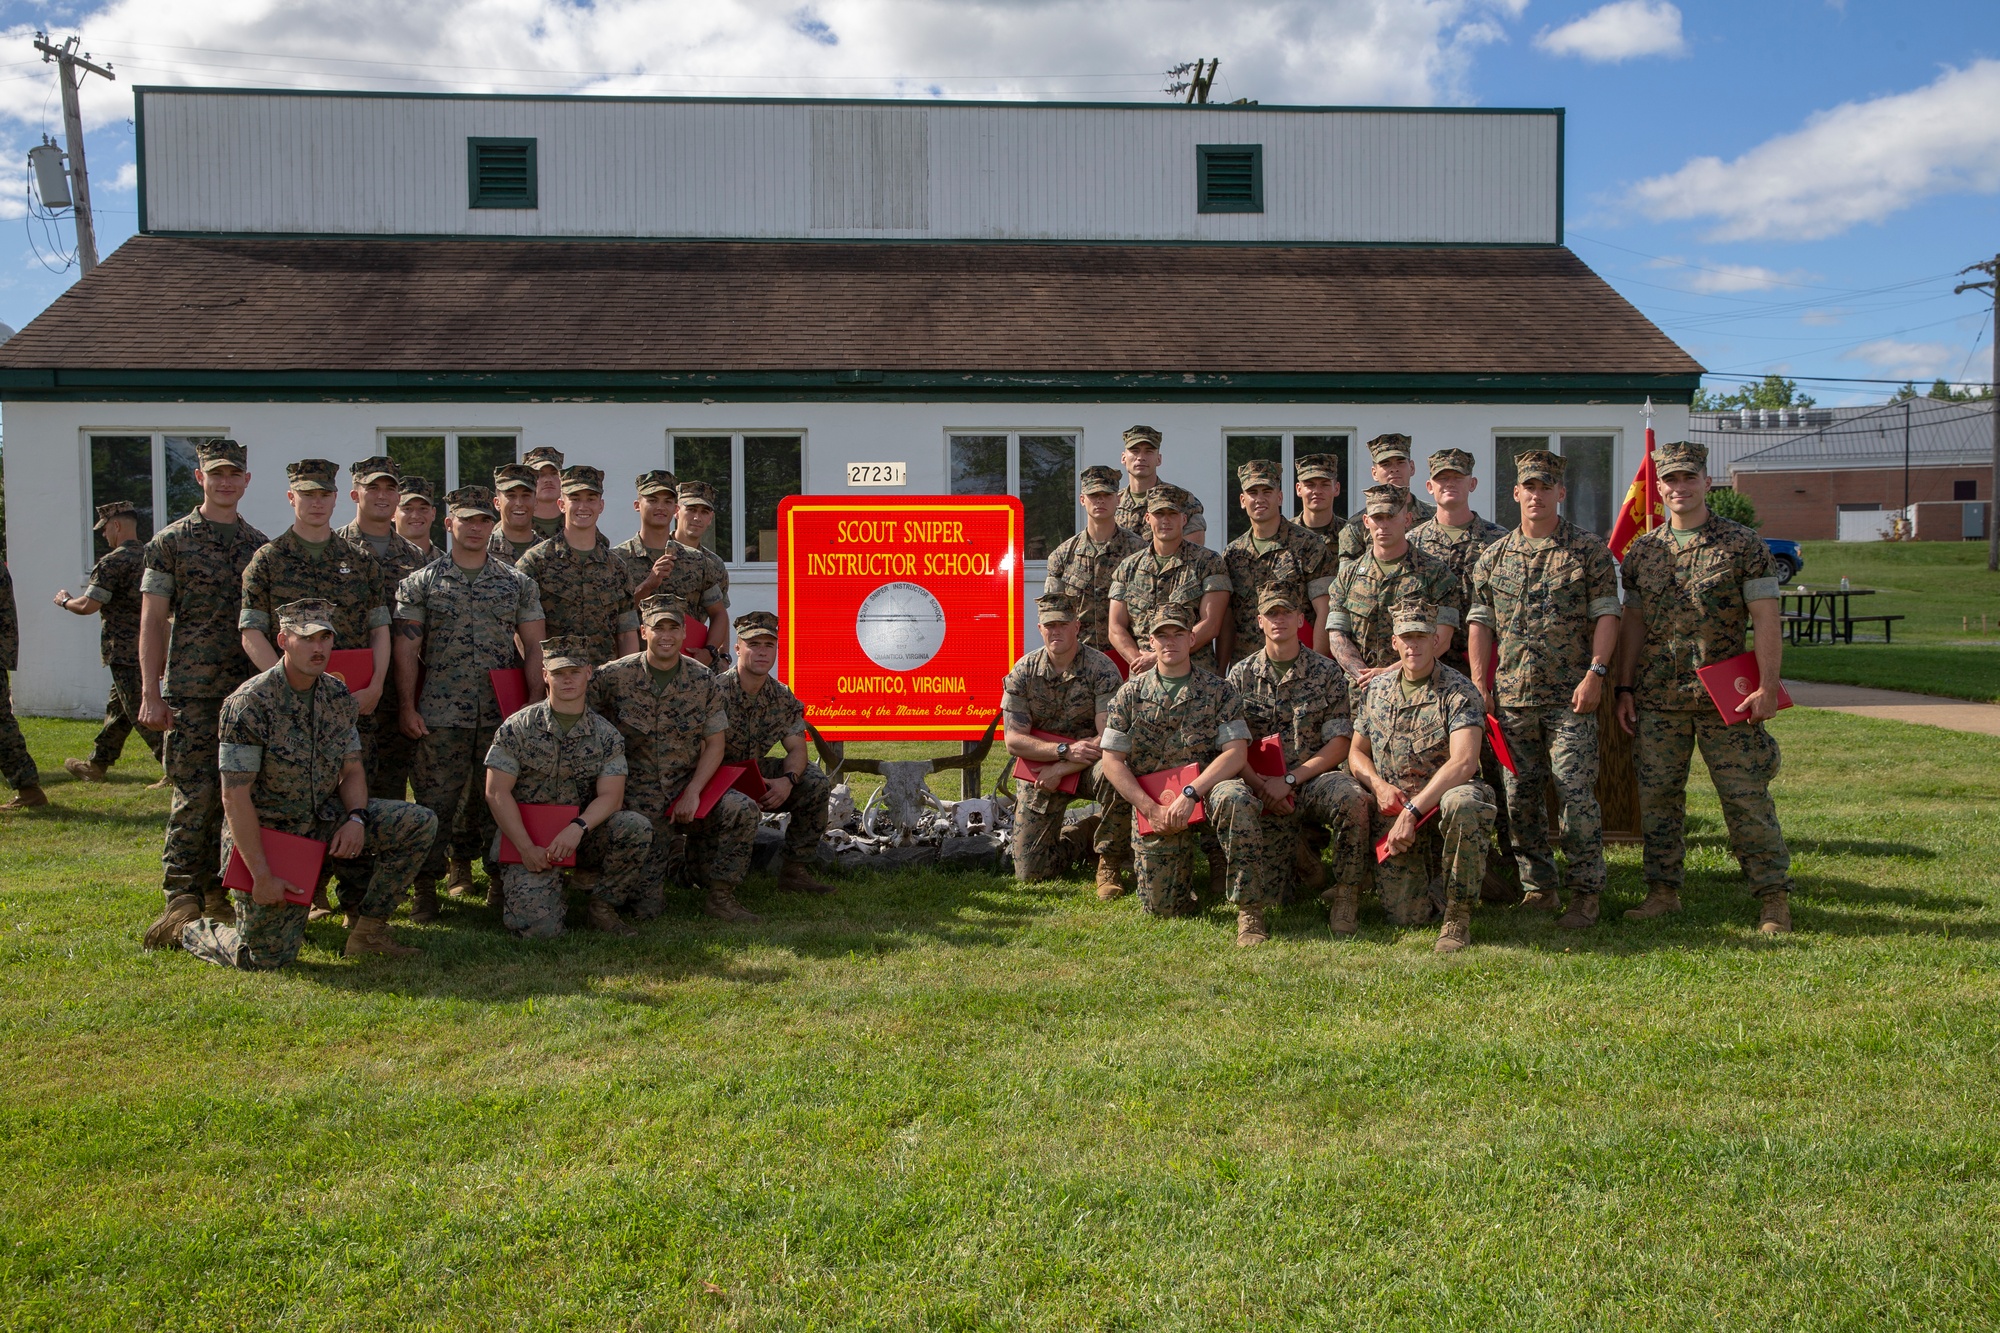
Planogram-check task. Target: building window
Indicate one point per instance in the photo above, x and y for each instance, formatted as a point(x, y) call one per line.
point(449, 460)
point(500, 173)
point(751, 473)
point(1284, 448)
point(1229, 177)
point(1038, 466)
point(1965, 490)
point(1591, 505)
point(155, 471)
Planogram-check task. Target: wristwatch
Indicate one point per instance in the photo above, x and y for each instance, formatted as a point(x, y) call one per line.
point(1623, 689)
point(1062, 749)
point(1291, 779)
point(578, 821)
point(1190, 793)
point(358, 815)
point(1599, 669)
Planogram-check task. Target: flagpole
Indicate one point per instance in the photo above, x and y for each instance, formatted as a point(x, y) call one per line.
point(1646, 502)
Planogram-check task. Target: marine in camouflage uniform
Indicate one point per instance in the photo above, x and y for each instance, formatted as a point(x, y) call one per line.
point(1064, 700)
point(551, 766)
point(772, 715)
point(698, 580)
point(387, 755)
point(540, 461)
point(295, 750)
point(1542, 598)
point(1303, 701)
point(1147, 580)
point(584, 593)
point(1082, 567)
point(1290, 557)
point(197, 567)
point(1158, 722)
point(114, 586)
point(16, 764)
point(1693, 600)
point(1131, 512)
point(1392, 466)
point(507, 478)
point(667, 718)
point(1407, 728)
point(461, 624)
point(1366, 590)
point(1313, 467)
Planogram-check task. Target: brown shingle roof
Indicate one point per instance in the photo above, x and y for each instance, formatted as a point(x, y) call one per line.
point(181, 304)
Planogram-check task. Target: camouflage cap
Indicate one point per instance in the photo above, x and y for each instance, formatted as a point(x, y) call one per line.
point(1386, 499)
point(472, 502)
point(1385, 447)
point(1258, 472)
point(565, 650)
point(308, 615)
point(1450, 460)
point(1053, 608)
point(513, 477)
point(311, 474)
point(1680, 456)
point(756, 625)
point(116, 509)
point(697, 493)
point(657, 482)
point(1309, 467)
point(1099, 480)
point(1185, 614)
point(1135, 436)
point(582, 477)
point(212, 454)
point(1413, 615)
point(1165, 495)
point(543, 456)
point(1277, 596)
point(368, 469)
point(1539, 465)
point(410, 487)
point(662, 607)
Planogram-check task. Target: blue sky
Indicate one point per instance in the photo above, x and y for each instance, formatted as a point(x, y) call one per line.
point(1784, 185)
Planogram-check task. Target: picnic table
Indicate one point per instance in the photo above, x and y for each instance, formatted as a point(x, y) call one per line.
point(1807, 612)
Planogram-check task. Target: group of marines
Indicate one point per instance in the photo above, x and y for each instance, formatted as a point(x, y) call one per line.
point(1362, 659)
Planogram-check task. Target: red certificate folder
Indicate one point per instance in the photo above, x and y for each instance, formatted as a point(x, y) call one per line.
point(352, 667)
point(697, 636)
point(543, 823)
point(1267, 757)
point(1732, 681)
point(510, 690)
point(1124, 667)
point(294, 859)
point(1382, 843)
point(1164, 786)
point(1029, 771)
point(1500, 750)
point(745, 778)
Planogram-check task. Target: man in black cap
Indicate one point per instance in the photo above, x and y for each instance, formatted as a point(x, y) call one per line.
point(113, 591)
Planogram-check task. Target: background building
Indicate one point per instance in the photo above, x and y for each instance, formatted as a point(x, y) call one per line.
point(763, 293)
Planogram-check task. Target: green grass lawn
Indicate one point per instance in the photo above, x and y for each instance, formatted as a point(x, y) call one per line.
point(1940, 589)
point(939, 1101)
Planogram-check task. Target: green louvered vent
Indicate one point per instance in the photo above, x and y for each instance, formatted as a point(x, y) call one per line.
point(1229, 177)
point(501, 172)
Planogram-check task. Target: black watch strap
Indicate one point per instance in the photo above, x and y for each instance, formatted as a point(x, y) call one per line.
point(1623, 689)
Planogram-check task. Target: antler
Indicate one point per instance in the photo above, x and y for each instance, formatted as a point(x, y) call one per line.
point(833, 754)
point(972, 758)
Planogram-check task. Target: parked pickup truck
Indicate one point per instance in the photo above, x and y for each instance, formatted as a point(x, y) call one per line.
point(1790, 559)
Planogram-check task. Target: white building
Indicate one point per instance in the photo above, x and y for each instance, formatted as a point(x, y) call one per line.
point(759, 293)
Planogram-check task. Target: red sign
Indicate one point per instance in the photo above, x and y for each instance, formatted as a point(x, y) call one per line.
point(901, 615)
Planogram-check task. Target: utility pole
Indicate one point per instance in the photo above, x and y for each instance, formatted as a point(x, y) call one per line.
point(1991, 268)
point(1189, 78)
point(71, 69)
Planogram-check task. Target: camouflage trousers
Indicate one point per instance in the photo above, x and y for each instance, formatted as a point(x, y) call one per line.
point(717, 854)
point(618, 849)
point(806, 806)
point(1040, 850)
point(1457, 836)
point(1339, 804)
point(16, 765)
point(451, 778)
point(1742, 760)
point(1554, 743)
point(387, 755)
point(121, 716)
point(268, 936)
point(194, 822)
point(1164, 862)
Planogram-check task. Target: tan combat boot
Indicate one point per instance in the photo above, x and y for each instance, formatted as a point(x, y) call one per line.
point(1342, 909)
point(424, 903)
point(1660, 900)
point(722, 905)
point(458, 880)
point(1540, 900)
point(496, 896)
point(1582, 913)
point(1218, 878)
point(1456, 933)
point(28, 798)
point(163, 784)
point(83, 770)
point(1777, 916)
point(1311, 870)
point(322, 906)
point(604, 917)
point(795, 878)
point(215, 903)
point(1110, 879)
point(370, 934)
point(165, 932)
point(1250, 927)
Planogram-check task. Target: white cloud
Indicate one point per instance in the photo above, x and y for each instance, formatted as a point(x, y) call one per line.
point(1710, 279)
point(1822, 319)
point(1623, 30)
point(1908, 360)
point(127, 177)
point(1299, 51)
point(1859, 162)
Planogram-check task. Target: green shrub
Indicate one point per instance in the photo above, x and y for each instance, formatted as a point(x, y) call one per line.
point(1734, 505)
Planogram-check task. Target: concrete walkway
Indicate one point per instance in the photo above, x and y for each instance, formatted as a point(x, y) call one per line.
point(1930, 710)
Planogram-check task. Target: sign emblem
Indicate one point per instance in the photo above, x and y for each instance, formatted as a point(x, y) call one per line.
point(900, 626)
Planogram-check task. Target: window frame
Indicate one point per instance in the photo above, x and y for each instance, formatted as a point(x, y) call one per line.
point(1553, 437)
point(473, 197)
point(1014, 434)
point(738, 506)
point(1204, 153)
point(157, 459)
point(451, 480)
